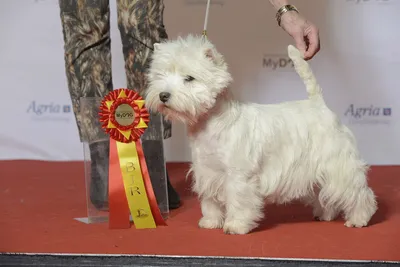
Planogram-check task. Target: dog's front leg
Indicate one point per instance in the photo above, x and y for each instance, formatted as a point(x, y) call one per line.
point(213, 215)
point(244, 206)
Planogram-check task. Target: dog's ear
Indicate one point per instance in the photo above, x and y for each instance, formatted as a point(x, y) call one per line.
point(156, 46)
point(209, 53)
point(214, 56)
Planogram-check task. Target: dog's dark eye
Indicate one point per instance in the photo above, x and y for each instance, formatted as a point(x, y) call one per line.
point(189, 78)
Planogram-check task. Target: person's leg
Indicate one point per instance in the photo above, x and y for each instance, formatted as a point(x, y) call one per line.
point(86, 31)
point(140, 23)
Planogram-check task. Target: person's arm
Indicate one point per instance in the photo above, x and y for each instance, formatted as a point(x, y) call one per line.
point(277, 4)
point(304, 33)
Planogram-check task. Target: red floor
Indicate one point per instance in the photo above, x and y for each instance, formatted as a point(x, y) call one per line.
point(40, 199)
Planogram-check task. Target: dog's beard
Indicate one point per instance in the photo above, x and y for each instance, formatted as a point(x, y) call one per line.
point(175, 110)
point(183, 106)
point(173, 115)
point(188, 114)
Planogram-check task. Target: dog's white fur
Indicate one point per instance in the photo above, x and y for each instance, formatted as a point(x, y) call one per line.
point(246, 153)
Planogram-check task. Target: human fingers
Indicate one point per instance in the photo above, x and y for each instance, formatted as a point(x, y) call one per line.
point(300, 42)
point(312, 36)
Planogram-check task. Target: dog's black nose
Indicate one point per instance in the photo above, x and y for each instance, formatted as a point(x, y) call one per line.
point(164, 96)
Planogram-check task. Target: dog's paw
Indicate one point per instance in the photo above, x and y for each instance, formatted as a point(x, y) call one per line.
point(324, 217)
point(210, 223)
point(352, 224)
point(237, 228)
point(318, 218)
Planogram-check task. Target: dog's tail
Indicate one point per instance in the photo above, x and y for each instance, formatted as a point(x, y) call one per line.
point(304, 71)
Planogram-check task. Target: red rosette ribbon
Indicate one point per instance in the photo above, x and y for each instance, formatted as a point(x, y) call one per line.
point(124, 117)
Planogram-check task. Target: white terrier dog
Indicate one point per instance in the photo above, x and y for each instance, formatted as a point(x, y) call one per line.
point(245, 154)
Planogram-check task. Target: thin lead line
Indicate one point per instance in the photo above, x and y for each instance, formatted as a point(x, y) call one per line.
point(206, 19)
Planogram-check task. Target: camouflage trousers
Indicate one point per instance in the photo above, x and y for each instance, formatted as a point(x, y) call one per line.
point(86, 32)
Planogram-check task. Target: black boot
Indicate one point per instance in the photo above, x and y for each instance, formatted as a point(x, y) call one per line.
point(153, 152)
point(173, 197)
point(99, 153)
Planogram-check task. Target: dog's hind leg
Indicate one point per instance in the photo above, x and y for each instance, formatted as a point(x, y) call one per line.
point(320, 212)
point(346, 189)
point(324, 213)
point(358, 200)
point(359, 211)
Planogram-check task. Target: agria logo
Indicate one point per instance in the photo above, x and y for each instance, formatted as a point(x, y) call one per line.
point(368, 114)
point(277, 62)
point(49, 111)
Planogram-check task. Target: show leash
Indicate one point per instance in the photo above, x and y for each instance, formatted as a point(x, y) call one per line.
point(206, 19)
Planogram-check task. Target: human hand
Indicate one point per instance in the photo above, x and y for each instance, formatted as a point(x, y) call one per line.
point(304, 33)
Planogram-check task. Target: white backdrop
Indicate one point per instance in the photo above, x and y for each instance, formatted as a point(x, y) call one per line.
point(357, 68)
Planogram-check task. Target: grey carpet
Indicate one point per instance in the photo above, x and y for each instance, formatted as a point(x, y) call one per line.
point(11, 260)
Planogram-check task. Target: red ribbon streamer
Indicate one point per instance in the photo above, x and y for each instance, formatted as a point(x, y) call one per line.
point(118, 205)
point(149, 188)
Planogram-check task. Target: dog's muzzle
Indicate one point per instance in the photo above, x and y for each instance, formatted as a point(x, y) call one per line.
point(164, 96)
